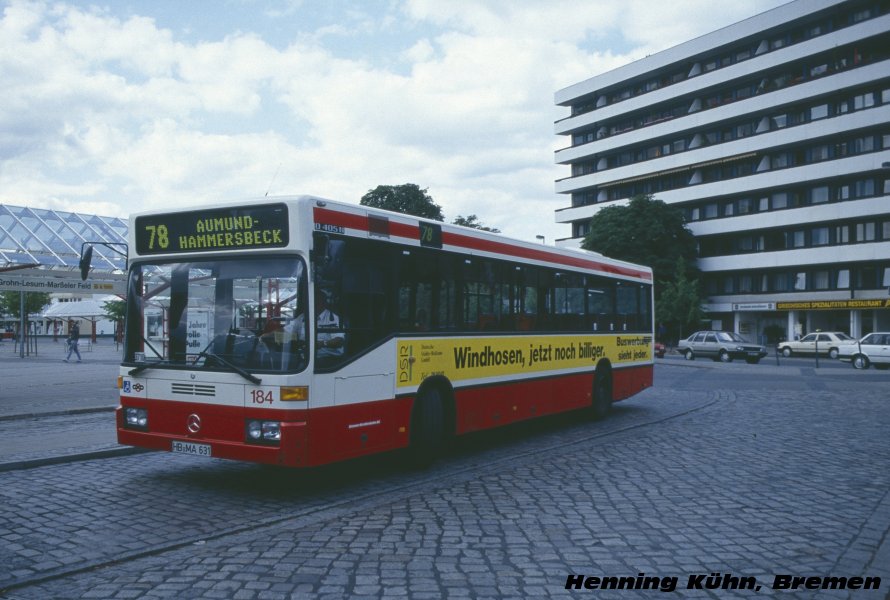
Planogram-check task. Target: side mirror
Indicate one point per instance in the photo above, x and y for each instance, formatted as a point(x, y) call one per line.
point(86, 257)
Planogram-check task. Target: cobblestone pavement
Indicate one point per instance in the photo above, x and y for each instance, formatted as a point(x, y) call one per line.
point(712, 471)
point(44, 384)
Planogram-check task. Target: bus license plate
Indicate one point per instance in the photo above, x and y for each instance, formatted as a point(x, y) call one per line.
point(190, 448)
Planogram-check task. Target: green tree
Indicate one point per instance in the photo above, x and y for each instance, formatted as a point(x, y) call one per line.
point(647, 232)
point(407, 198)
point(10, 303)
point(650, 232)
point(473, 221)
point(116, 310)
point(679, 306)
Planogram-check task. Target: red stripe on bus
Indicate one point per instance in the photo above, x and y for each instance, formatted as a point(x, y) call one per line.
point(325, 216)
point(464, 241)
point(318, 436)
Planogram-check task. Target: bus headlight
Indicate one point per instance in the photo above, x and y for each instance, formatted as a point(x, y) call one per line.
point(136, 418)
point(263, 432)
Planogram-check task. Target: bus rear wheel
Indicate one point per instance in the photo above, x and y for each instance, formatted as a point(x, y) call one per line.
point(602, 393)
point(427, 427)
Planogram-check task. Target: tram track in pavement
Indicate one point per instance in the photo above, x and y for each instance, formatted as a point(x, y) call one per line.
point(470, 458)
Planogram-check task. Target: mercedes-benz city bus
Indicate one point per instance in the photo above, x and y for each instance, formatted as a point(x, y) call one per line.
point(302, 331)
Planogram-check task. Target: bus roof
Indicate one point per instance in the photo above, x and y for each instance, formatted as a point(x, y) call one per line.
point(364, 221)
point(359, 220)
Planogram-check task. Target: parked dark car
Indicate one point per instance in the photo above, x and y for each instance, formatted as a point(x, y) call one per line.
point(720, 345)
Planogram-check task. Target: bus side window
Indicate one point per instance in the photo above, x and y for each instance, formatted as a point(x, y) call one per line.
point(445, 302)
point(415, 291)
point(529, 299)
point(364, 304)
point(568, 306)
point(628, 306)
point(645, 321)
point(478, 298)
point(356, 276)
point(601, 304)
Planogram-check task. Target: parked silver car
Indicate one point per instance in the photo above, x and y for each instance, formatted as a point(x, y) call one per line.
point(720, 345)
point(827, 342)
point(873, 349)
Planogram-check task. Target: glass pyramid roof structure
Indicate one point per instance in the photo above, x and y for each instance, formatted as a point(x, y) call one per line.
point(31, 237)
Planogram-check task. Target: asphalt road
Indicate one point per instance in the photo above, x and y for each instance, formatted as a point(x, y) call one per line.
point(745, 471)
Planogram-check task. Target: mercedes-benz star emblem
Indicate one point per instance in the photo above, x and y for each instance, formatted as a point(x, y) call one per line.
point(194, 423)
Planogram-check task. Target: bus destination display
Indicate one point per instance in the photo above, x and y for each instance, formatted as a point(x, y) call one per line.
point(235, 228)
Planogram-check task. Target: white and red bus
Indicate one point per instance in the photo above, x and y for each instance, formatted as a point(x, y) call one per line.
point(301, 331)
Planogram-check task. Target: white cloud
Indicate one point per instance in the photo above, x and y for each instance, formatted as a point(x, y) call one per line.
point(117, 112)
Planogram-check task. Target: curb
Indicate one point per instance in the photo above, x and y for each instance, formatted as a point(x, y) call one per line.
point(58, 413)
point(69, 458)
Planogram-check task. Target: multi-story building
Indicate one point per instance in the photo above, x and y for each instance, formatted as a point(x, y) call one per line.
point(773, 136)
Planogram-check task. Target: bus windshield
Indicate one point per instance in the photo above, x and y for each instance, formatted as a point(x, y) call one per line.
point(224, 314)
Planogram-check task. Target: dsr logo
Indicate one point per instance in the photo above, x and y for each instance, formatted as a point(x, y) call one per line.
point(406, 363)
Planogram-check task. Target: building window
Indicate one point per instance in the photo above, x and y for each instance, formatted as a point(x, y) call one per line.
point(780, 282)
point(820, 153)
point(818, 112)
point(864, 188)
point(863, 144)
point(866, 278)
point(780, 160)
point(819, 236)
point(819, 195)
point(819, 70)
point(843, 279)
point(842, 234)
point(865, 232)
point(864, 101)
point(800, 281)
point(820, 280)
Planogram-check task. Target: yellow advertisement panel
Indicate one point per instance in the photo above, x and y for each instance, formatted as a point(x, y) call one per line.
point(483, 357)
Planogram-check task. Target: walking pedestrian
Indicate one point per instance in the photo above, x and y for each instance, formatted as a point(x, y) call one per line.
point(73, 339)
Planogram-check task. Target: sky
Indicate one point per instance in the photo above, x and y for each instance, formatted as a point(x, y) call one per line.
point(126, 105)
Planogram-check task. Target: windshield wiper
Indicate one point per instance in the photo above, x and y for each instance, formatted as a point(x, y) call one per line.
point(144, 366)
point(242, 372)
point(138, 369)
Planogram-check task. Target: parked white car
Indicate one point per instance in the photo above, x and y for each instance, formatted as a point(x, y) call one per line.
point(827, 342)
point(873, 349)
